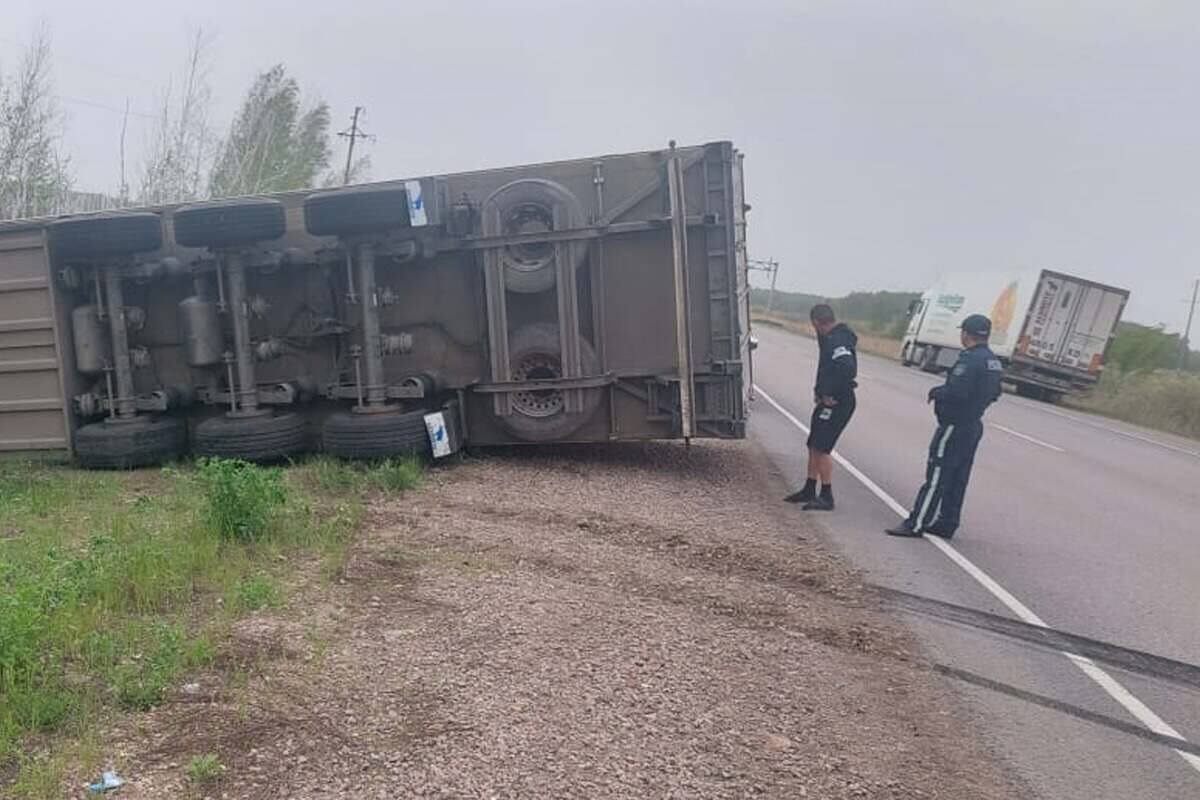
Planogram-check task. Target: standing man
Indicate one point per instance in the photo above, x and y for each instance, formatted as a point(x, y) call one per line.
point(834, 398)
point(972, 386)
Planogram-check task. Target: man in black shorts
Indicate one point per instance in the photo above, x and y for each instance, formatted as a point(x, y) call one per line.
point(834, 397)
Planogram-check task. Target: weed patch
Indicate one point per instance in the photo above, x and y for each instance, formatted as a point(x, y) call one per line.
point(204, 769)
point(255, 592)
point(115, 586)
point(242, 500)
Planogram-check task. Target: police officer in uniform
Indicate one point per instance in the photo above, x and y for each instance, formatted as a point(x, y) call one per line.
point(972, 386)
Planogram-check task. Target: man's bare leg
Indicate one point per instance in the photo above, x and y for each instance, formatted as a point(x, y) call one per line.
point(821, 467)
point(823, 501)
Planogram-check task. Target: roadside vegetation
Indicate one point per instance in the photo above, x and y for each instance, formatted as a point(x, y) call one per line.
point(114, 587)
point(882, 315)
point(869, 341)
point(1166, 400)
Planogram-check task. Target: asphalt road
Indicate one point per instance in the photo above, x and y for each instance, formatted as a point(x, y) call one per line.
point(1089, 524)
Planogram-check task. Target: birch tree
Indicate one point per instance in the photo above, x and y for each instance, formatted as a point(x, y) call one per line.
point(34, 174)
point(181, 143)
point(274, 143)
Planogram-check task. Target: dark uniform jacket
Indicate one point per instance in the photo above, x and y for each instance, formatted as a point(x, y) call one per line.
point(972, 386)
point(838, 367)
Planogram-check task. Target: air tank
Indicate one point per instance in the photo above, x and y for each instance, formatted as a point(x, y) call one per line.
point(93, 349)
point(203, 341)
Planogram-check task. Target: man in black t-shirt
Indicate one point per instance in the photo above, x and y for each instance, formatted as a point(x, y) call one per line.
point(833, 395)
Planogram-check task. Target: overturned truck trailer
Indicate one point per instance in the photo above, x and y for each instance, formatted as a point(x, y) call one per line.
point(582, 301)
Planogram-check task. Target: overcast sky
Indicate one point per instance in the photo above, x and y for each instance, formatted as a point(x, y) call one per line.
point(886, 141)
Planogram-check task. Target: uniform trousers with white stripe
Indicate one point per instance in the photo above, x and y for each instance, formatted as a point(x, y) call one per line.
point(951, 456)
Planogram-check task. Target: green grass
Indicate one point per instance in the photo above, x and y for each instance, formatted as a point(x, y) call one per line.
point(241, 500)
point(204, 769)
point(1163, 399)
point(394, 475)
point(114, 586)
point(255, 592)
point(391, 475)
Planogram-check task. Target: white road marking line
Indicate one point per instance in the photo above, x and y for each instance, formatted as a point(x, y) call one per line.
point(1140, 711)
point(1030, 439)
point(1127, 434)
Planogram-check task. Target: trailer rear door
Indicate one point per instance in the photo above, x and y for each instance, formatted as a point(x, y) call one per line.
point(32, 411)
point(1098, 312)
point(1071, 321)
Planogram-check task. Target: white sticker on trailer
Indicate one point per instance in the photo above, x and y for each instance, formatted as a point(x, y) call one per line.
point(416, 204)
point(439, 439)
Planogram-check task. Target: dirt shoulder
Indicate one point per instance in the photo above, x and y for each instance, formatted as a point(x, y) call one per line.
point(636, 621)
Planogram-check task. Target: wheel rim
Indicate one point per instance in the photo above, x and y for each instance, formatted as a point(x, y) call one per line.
point(527, 218)
point(539, 403)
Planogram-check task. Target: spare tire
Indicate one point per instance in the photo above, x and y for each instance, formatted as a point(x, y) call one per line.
point(528, 206)
point(356, 211)
point(230, 223)
point(105, 235)
point(141, 442)
point(540, 416)
point(264, 438)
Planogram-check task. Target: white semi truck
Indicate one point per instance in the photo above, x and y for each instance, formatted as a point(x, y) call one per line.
point(1050, 329)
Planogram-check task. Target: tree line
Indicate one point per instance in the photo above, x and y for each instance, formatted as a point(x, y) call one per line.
point(278, 140)
point(880, 312)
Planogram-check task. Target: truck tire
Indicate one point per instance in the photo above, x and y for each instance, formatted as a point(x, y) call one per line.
point(264, 439)
point(375, 436)
point(230, 223)
point(144, 442)
point(539, 416)
point(105, 235)
point(528, 206)
point(356, 211)
point(929, 357)
point(906, 355)
point(1033, 392)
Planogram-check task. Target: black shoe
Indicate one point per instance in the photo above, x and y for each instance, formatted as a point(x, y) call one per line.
point(819, 503)
point(939, 531)
point(802, 496)
point(903, 530)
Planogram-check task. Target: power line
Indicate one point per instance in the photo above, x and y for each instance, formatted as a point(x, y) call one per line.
point(91, 65)
point(91, 104)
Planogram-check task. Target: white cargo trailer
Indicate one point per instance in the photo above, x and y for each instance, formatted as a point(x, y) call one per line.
point(1050, 329)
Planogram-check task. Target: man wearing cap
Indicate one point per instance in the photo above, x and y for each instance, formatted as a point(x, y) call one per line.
point(959, 403)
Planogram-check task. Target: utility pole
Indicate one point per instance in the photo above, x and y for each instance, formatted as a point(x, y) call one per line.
point(768, 265)
point(353, 134)
point(124, 185)
point(1185, 344)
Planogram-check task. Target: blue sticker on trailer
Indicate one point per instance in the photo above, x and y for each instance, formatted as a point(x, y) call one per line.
point(416, 204)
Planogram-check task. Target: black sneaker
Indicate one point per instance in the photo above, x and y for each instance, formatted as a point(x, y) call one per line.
point(802, 496)
point(939, 531)
point(819, 503)
point(903, 530)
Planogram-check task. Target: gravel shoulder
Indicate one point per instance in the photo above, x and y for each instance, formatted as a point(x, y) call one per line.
point(637, 621)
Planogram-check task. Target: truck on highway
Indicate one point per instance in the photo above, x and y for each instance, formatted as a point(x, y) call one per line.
point(591, 300)
point(1049, 329)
